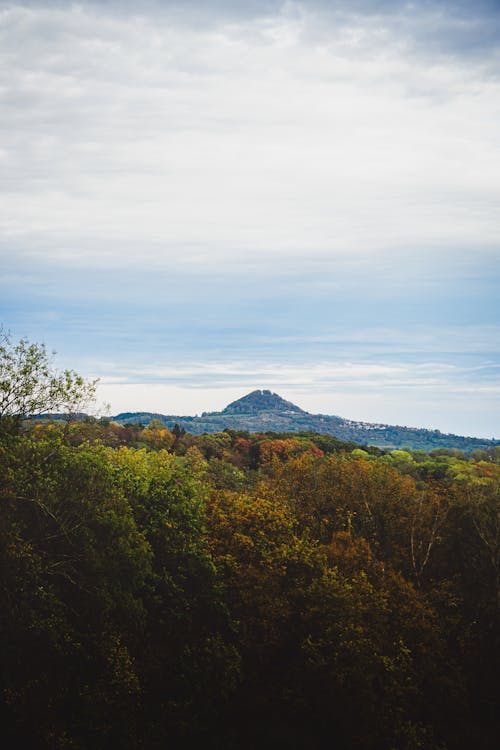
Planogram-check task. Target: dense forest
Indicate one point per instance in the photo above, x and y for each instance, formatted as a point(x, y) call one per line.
point(235, 590)
point(243, 590)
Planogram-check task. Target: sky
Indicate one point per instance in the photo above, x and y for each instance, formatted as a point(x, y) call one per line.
point(202, 198)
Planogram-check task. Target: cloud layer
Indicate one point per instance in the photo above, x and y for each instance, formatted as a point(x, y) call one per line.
point(141, 138)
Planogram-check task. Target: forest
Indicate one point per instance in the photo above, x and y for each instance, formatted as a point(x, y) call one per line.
point(235, 590)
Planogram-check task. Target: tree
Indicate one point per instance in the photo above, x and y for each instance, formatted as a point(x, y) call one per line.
point(30, 384)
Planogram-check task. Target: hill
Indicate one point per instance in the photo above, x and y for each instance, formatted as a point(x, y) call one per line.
point(257, 402)
point(264, 411)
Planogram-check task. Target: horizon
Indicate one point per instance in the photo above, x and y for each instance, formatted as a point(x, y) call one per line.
point(202, 197)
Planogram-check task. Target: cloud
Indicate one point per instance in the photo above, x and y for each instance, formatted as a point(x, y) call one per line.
point(149, 140)
point(381, 376)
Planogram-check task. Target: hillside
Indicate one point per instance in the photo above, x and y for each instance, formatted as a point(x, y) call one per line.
point(264, 411)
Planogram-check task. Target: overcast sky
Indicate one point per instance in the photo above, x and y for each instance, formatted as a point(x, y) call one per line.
point(206, 197)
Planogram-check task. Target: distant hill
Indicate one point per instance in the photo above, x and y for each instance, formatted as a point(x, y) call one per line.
point(264, 411)
point(257, 402)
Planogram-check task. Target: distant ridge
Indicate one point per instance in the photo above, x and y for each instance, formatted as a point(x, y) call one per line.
point(264, 411)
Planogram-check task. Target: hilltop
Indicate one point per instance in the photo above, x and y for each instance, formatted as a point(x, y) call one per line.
point(258, 401)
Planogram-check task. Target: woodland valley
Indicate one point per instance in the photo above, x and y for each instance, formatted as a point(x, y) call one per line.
point(237, 589)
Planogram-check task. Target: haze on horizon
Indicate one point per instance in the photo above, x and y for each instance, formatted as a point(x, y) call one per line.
point(199, 199)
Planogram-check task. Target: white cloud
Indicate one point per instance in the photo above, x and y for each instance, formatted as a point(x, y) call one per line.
point(144, 139)
point(374, 377)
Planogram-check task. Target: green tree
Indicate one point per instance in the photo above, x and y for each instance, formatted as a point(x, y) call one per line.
point(31, 385)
